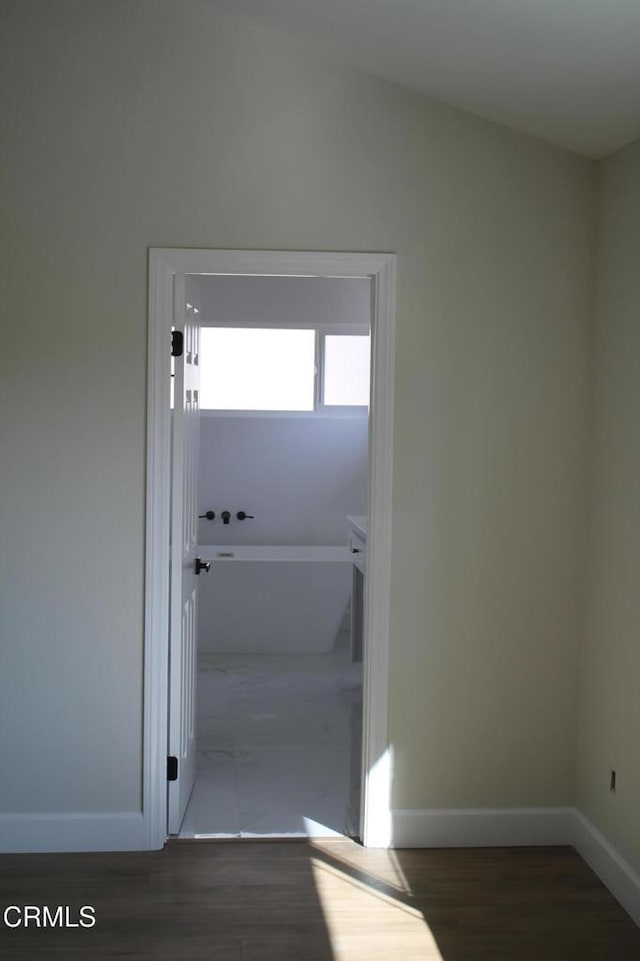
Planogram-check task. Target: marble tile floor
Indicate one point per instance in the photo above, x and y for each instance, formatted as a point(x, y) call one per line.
point(279, 740)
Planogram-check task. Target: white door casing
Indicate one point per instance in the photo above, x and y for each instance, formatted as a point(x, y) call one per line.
point(184, 548)
point(167, 266)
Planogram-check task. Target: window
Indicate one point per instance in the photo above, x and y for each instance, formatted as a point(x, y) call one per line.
point(283, 369)
point(248, 368)
point(345, 374)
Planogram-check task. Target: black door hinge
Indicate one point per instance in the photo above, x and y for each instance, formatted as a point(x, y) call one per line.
point(172, 768)
point(177, 343)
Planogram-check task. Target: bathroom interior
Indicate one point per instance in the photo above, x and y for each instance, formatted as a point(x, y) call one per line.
point(282, 504)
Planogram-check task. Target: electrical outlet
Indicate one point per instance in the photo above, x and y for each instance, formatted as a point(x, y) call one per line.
point(612, 781)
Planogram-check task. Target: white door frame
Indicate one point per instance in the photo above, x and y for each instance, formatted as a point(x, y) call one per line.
point(164, 264)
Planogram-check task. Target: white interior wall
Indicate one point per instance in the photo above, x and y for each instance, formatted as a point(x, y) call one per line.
point(161, 124)
point(610, 705)
point(285, 301)
point(300, 477)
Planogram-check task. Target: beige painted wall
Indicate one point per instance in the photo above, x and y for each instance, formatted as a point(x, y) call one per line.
point(610, 698)
point(158, 123)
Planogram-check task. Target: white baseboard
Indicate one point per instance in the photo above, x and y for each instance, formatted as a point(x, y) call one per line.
point(472, 827)
point(507, 827)
point(40, 833)
point(481, 827)
point(612, 869)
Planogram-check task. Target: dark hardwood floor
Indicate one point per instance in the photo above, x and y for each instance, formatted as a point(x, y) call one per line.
point(317, 901)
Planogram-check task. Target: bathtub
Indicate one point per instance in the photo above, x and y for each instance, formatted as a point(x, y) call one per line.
point(272, 600)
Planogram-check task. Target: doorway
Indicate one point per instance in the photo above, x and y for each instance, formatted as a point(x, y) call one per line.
point(284, 366)
point(168, 270)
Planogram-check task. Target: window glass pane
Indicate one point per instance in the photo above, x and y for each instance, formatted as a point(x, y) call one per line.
point(346, 370)
point(256, 369)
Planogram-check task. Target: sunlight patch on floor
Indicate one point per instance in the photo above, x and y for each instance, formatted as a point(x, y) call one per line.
point(384, 869)
point(399, 929)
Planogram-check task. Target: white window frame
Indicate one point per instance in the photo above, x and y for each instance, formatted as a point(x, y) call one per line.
point(320, 409)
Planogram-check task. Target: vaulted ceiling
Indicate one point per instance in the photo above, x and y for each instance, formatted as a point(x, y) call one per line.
point(567, 71)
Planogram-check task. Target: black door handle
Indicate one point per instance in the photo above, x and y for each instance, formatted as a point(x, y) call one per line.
point(202, 566)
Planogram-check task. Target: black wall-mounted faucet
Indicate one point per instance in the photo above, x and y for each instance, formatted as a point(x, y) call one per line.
point(226, 517)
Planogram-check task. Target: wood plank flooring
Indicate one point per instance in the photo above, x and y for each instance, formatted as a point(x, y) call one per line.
point(318, 901)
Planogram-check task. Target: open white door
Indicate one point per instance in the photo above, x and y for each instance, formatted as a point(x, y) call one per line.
point(184, 562)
